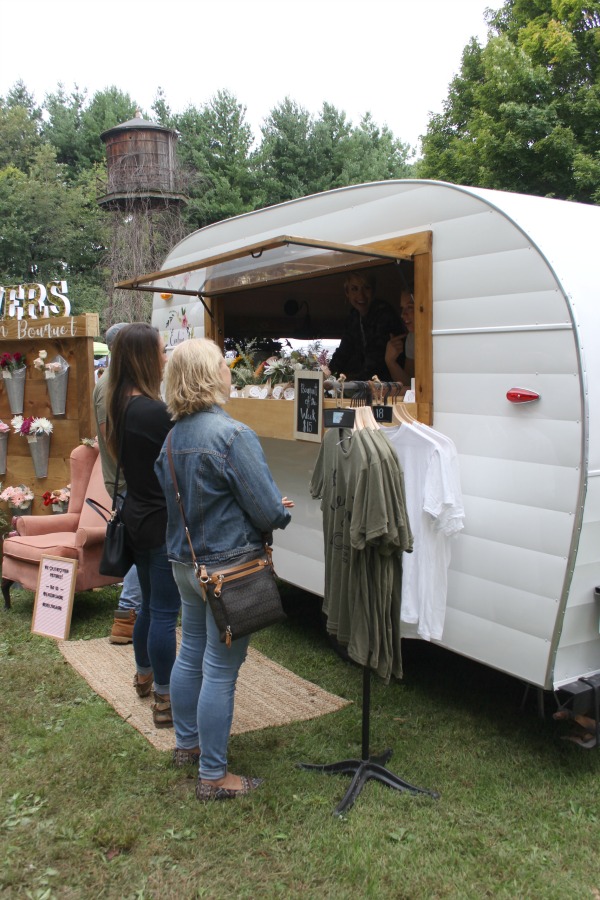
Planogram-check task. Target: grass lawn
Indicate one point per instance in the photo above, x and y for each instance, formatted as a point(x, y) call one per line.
point(88, 808)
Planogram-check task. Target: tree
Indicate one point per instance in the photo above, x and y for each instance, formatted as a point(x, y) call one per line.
point(373, 154)
point(63, 128)
point(329, 138)
point(301, 155)
point(162, 111)
point(215, 144)
point(20, 125)
point(284, 156)
point(52, 229)
point(522, 113)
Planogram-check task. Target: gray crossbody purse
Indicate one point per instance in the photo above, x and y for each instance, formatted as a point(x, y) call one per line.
point(243, 598)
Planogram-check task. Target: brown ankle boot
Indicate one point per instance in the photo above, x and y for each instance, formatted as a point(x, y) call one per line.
point(122, 630)
point(161, 711)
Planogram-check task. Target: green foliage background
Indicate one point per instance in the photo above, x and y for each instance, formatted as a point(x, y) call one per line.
point(522, 115)
point(523, 112)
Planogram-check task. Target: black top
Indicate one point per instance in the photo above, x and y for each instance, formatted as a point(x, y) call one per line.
point(147, 424)
point(361, 353)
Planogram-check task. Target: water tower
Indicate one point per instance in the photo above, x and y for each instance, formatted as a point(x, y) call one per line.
point(142, 166)
point(144, 196)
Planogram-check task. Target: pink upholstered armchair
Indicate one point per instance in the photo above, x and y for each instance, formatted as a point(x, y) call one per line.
point(77, 534)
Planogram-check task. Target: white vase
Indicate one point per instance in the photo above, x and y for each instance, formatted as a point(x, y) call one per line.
point(3, 451)
point(58, 508)
point(39, 447)
point(14, 383)
point(57, 391)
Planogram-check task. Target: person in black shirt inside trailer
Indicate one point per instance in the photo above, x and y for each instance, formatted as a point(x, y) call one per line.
point(373, 338)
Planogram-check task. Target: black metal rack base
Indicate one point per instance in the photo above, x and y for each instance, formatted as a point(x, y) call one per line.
point(369, 767)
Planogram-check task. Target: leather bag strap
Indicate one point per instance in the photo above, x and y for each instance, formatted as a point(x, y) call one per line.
point(224, 575)
point(180, 501)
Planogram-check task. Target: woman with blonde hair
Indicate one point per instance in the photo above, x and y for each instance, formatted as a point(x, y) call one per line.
point(231, 503)
point(138, 423)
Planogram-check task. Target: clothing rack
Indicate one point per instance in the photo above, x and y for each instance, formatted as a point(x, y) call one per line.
point(373, 390)
point(367, 768)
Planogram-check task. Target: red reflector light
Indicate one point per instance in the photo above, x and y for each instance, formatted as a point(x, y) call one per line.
point(521, 395)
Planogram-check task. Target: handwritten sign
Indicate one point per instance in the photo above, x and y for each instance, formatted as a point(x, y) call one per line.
point(308, 405)
point(85, 325)
point(54, 597)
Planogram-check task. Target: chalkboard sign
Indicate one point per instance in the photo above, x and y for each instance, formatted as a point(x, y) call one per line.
point(308, 405)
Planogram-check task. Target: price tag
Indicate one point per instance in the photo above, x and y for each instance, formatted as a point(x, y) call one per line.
point(339, 418)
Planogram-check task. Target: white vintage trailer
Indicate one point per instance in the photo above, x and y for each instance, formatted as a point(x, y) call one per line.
point(507, 296)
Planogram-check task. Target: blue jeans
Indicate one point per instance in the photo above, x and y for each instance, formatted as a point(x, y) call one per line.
point(131, 593)
point(154, 637)
point(203, 679)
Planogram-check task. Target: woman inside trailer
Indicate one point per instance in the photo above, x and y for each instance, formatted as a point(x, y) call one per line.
point(372, 342)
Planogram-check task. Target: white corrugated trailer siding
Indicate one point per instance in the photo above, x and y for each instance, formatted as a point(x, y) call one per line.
point(515, 304)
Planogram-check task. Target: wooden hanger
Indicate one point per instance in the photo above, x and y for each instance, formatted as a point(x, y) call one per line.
point(364, 413)
point(400, 413)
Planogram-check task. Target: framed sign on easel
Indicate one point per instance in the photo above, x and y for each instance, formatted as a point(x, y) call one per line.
point(54, 597)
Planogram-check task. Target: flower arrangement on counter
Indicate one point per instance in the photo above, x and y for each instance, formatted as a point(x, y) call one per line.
point(243, 369)
point(4, 428)
point(31, 426)
point(19, 497)
point(12, 362)
point(62, 495)
point(278, 369)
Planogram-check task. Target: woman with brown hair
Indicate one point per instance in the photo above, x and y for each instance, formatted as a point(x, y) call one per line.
point(138, 423)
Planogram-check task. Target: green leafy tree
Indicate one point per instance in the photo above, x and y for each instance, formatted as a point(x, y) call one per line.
point(329, 138)
point(301, 155)
point(63, 128)
point(162, 111)
point(373, 154)
point(215, 146)
point(283, 158)
point(522, 113)
point(20, 128)
point(52, 229)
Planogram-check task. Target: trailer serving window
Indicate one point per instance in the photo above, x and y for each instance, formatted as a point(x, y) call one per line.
point(291, 286)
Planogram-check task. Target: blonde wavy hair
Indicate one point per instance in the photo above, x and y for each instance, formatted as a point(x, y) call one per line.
point(193, 378)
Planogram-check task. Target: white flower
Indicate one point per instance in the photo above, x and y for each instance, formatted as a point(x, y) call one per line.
point(41, 426)
point(16, 423)
point(43, 354)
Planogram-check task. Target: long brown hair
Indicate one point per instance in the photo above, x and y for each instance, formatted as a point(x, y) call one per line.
point(134, 365)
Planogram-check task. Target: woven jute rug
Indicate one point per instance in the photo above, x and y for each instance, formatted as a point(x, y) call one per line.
point(266, 695)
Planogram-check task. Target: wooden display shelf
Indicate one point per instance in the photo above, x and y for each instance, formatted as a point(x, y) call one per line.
point(275, 418)
point(72, 338)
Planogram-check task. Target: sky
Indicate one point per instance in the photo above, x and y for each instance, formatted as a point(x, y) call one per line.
point(392, 58)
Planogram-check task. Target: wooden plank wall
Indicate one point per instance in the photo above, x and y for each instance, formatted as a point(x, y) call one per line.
point(78, 421)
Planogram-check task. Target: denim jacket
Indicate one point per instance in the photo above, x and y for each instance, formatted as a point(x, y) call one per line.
point(229, 496)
